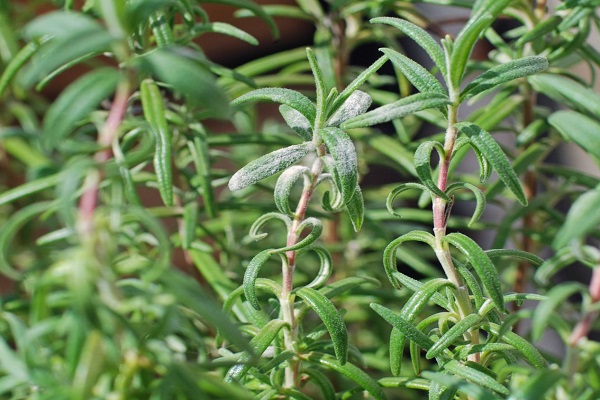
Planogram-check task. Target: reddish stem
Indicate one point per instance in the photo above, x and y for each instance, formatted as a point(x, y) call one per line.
point(108, 133)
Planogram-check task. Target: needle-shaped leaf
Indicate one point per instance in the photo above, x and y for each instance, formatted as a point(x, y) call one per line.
point(504, 73)
point(296, 121)
point(470, 389)
point(409, 313)
point(284, 185)
point(555, 297)
point(532, 355)
point(291, 98)
point(419, 35)
point(407, 328)
point(492, 151)
point(474, 375)
point(331, 318)
point(579, 128)
point(356, 209)
point(251, 275)
point(357, 82)
point(255, 233)
point(463, 46)
point(326, 267)
point(189, 75)
point(389, 254)
point(16, 63)
point(227, 29)
point(479, 198)
point(482, 264)
point(342, 150)
point(319, 83)
point(259, 344)
point(313, 235)
point(356, 104)
point(253, 8)
point(401, 108)
point(452, 335)
point(154, 112)
point(523, 255)
point(554, 264)
point(422, 162)
point(569, 92)
point(352, 372)
point(537, 386)
point(322, 382)
point(581, 219)
point(414, 72)
point(269, 165)
point(389, 202)
point(76, 102)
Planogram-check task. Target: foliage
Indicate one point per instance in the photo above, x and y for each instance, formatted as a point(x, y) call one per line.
point(146, 253)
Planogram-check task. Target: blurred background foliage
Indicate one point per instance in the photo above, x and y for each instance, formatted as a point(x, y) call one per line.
point(122, 250)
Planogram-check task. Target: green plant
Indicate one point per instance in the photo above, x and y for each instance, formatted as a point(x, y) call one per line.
point(126, 178)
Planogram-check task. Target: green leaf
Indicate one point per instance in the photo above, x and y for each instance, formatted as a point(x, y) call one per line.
point(356, 209)
point(356, 104)
point(420, 36)
point(540, 29)
point(523, 255)
point(581, 129)
point(188, 75)
point(254, 8)
point(407, 328)
point(309, 239)
point(251, 275)
point(352, 372)
point(504, 73)
point(76, 102)
point(452, 335)
point(389, 254)
point(357, 82)
point(154, 112)
point(472, 390)
point(227, 29)
point(551, 266)
point(482, 264)
point(16, 63)
point(297, 122)
point(556, 296)
point(532, 355)
point(582, 218)
point(29, 188)
point(259, 344)
point(268, 165)
point(331, 318)
point(319, 85)
point(463, 46)
point(325, 269)
point(291, 98)
point(190, 294)
point(567, 91)
point(494, 154)
point(479, 198)
point(389, 202)
point(401, 108)
point(476, 376)
point(285, 183)
point(421, 79)
point(322, 382)
point(422, 162)
point(343, 152)
point(537, 386)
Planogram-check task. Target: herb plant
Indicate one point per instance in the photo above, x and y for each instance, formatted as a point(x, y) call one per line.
point(162, 239)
